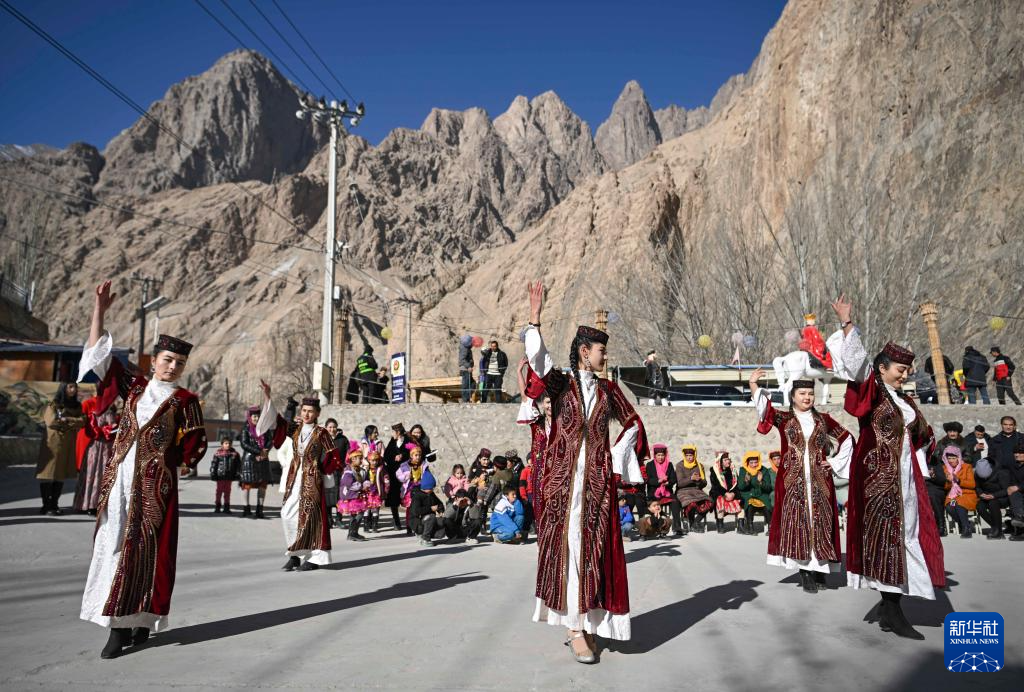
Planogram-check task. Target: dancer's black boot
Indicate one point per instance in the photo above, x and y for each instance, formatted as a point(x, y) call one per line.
point(292, 564)
point(807, 582)
point(119, 637)
point(892, 619)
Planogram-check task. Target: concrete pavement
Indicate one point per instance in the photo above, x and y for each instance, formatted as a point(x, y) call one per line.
point(708, 614)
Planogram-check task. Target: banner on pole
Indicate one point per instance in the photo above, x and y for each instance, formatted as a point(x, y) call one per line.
point(398, 378)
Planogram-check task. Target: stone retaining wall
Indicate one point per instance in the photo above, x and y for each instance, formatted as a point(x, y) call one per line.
point(458, 431)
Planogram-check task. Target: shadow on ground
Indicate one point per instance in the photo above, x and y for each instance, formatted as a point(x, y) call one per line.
point(219, 629)
point(660, 626)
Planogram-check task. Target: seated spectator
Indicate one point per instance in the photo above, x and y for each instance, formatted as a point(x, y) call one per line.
point(481, 465)
point(954, 436)
point(979, 444)
point(992, 496)
point(625, 517)
point(507, 518)
point(427, 511)
point(757, 489)
point(456, 482)
point(1001, 446)
point(661, 485)
point(1015, 473)
point(653, 524)
point(961, 497)
point(458, 522)
point(724, 492)
point(935, 485)
point(690, 483)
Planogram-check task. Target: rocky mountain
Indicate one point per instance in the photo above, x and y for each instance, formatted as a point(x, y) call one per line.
point(10, 152)
point(860, 156)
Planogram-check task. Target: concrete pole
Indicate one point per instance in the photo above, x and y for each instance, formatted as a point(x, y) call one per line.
point(408, 348)
point(601, 322)
point(930, 314)
point(341, 338)
point(327, 324)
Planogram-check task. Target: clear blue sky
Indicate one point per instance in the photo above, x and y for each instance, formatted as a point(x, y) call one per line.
point(401, 58)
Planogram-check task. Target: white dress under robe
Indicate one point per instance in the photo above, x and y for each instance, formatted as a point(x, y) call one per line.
point(840, 464)
point(290, 507)
point(106, 550)
point(853, 364)
point(624, 462)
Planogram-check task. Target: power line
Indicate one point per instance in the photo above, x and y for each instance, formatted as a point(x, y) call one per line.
point(290, 46)
point(313, 50)
point(127, 100)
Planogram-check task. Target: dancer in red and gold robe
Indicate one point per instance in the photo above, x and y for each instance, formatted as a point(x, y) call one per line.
point(804, 532)
point(535, 411)
point(131, 575)
point(304, 511)
point(581, 566)
point(892, 540)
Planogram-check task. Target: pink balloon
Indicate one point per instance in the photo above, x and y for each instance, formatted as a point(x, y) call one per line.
point(478, 341)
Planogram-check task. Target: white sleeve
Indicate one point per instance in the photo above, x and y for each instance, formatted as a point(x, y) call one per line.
point(537, 352)
point(285, 456)
point(841, 461)
point(849, 358)
point(922, 462)
point(624, 461)
point(268, 417)
point(527, 412)
point(96, 357)
point(761, 402)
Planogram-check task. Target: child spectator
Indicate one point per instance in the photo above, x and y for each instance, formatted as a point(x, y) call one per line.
point(224, 470)
point(526, 493)
point(380, 484)
point(654, 524)
point(507, 518)
point(456, 482)
point(428, 511)
point(625, 517)
point(354, 486)
point(458, 524)
point(409, 475)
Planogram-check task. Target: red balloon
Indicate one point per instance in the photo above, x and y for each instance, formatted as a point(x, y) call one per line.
point(478, 341)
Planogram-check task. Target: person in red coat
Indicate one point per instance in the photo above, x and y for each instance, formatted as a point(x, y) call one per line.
point(304, 510)
point(892, 539)
point(135, 547)
point(813, 343)
point(581, 566)
point(804, 532)
point(535, 411)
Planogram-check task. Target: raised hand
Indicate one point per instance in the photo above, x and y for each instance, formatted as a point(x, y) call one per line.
point(536, 291)
point(755, 376)
point(104, 297)
point(843, 308)
point(265, 387)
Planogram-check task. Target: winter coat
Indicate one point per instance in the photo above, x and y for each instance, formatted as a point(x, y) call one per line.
point(485, 359)
point(975, 366)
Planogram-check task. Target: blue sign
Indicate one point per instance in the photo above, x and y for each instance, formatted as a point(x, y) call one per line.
point(974, 642)
point(398, 378)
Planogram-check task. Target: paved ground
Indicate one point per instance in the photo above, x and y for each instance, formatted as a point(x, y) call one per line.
point(708, 615)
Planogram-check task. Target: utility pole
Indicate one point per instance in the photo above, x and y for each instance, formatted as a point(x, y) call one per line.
point(930, 314)
point(341, 338)
point(601, 322)
point(332, 114)
point(144, 306)
point(227, 399)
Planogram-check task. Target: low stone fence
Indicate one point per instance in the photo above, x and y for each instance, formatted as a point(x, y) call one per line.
point(458, 431)
point(19, 450)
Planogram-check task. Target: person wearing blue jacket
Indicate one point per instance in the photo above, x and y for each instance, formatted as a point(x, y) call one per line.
point(508, 517)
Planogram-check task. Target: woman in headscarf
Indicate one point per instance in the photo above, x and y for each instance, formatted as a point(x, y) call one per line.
point(661, 486)
point(255, 471)
point(892, 540)
point(96, 442)
point(63, 417)
point(131, 575)
point(756, 486)
point(961, 493)
point(725, 490)
point(804, 533)
point(690, 483)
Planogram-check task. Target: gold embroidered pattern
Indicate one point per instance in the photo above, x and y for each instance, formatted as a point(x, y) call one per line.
point(883, 549)
point(310, 531)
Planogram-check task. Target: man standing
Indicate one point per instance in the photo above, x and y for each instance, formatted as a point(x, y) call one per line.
point(654, 380)
point(466, 366)
point(493, 364)
point(975, 366)
point(366, 367)
point(304, 515)
point(1002, 371)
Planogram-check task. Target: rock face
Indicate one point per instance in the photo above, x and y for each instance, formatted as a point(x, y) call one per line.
point(859, 158)
point(238, 121)
point(631, 131)
point(10, 152)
